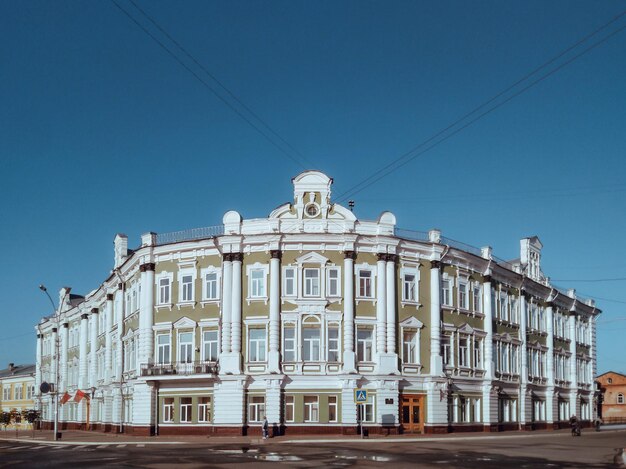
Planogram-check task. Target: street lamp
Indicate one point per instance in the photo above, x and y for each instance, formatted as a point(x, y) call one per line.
point(56, 364)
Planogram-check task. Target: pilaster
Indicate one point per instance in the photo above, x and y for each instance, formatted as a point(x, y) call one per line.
point(93, 319)
point(436, 363)
point(83, 381)
point(227, 298)
point(274, 325)
point(349, 358)
point(108, 352)
point(63, 362)
point(145, 342)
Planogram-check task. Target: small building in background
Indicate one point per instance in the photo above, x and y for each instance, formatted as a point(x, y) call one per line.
point(17, 384)
point(612, 386)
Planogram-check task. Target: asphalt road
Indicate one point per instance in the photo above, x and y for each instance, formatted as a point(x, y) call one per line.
point(509, 450)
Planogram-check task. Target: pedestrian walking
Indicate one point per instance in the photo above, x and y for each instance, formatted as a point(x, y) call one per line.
point(266, 427)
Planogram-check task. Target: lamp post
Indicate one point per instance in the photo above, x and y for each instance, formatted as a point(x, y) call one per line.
point(56, 365)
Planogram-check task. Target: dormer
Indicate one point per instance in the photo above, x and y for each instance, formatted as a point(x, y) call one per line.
point(530, 257)
point(311, 192)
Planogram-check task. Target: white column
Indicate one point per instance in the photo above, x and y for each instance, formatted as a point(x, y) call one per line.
point(93, 377)
point(523, 360)
point(436, 363)
point(274, 339)
point(571, 325)
point(145, 341)
point(121, 313)
point(63, 362)
point(488, 396)
point(236, 304)
point(108, 311)
point(38, 369)
point(272, 403)
point(54, 377)
point(551, 409)
point(349, 359)
point(348, 406)
point(381, 304)
point(227, 292)
point(83, 381)
point(391, 303)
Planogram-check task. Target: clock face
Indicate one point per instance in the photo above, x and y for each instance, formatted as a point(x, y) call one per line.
point(312, 210)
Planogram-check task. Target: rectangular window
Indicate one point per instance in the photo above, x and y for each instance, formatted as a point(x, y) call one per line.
point(365, 283)
point(463, 296)
point(289, 408)
point(409, 347)
point(256, 348)
point(185, 409)
point(6, 393)
point(211, 286)
point(463, 351)
point(257, 283)
point(333, 343)
point(446, 351)
point(30, 391)
point(19, 392)
point(311, 409)
point(289, 344)
point(209, 345)
point(164, 292)
point(332, 408)
point(311, 282)
point(409, 287)
point(204, 409)
point(446, 292)
point(186, 286)
point(168, 409)
point(364, 343)
point(185, 347)
point(365, 412)
point(256, 409)
point(333, 282)
point(163, 348)
point(478, 360)
point(311, 344)
point(290, 282)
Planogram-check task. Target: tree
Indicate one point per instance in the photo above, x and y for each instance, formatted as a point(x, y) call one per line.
point(31, 416)
point(5, 419)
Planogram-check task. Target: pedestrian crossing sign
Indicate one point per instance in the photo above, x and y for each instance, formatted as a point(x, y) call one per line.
point(360, 396)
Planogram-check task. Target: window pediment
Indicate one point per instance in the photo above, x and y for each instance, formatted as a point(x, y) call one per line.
point(312, 258)
point(185, 323)
point(412, 322)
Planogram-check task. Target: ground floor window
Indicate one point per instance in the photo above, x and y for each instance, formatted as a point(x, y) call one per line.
point(204, 409)
point(464, 409)
point(128, 409)
point(564, 410)
point(256, 408)
point(365, 412)
point(507, 410)
point(289, 408)
point(332, 408)
point(311, 409)
point(168, 409)
point(539, 410)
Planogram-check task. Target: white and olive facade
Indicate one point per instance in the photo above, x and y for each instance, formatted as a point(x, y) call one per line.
point(284, 317)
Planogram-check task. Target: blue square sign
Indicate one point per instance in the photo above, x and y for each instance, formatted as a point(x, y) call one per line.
point(360, 396)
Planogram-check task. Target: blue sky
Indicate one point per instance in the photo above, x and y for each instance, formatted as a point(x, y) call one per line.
point(102, 132)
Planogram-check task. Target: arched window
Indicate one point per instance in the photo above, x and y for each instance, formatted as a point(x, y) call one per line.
point(620, 398)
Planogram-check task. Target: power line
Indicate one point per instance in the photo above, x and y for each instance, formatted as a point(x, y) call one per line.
point(398, 162)
point(209, 87)
point(615, 279)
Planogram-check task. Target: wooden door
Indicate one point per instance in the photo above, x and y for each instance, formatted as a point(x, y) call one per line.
point(412, 413)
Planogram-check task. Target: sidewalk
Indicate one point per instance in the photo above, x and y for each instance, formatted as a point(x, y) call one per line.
point(77, 437)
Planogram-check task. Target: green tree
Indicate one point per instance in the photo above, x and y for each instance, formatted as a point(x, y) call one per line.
point(31, 416)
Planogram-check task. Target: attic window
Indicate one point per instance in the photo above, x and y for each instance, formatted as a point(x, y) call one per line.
point(312, 210)
point(610, 380)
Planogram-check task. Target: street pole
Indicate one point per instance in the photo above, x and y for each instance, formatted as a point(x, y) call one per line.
point(55, 394)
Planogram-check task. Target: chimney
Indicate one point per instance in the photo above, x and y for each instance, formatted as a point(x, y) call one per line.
point(11, 366)
point(121, 248)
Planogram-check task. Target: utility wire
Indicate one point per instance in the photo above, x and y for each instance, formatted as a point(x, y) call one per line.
point(221, 85)
point(389, 168)
point(207, 85)
point(616, 279)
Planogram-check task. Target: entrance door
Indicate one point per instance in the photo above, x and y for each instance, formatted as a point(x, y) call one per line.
point(413, 413)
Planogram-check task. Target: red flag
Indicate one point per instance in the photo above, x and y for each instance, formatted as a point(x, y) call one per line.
point(66, 397)
point(79, 395)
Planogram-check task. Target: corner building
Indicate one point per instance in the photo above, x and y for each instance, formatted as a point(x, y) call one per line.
point(208, 331)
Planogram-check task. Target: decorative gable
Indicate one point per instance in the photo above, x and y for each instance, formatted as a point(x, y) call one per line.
point(184, 323)
point(312, 258)
point(412, 322)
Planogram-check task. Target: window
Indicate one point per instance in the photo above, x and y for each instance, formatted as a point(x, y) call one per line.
point(364, 343)
point(186, 285)
point(333, 342)
point(333, 282)
point(446, 292)
point(311, 409)
point(446, 351)
point(289, 409)
point(185, 409)
point(30, 391)
point(477, 299)
point(168, 409)
point(620, 398)
point(163, 348)
point(610, 380)
point(289, 343)
point(209, 345)
point(211, 286)
point(508, 410)
point(256, 348)
point(365, 283)
point(409, 287)
point(463, 296)
point(463, 351)
point(410, 350)
point(311, 343)
point(204, 409)
point(256, 409)
point(257, 283)
point(289, 283)
point(478, 360)
point(185, 347)
point(164, 291)
point(332, 408)
point(311, 282)
point(539, 410)
point(365, 412)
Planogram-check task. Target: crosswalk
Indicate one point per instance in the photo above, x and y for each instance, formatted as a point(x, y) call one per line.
point(38, 447)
